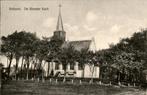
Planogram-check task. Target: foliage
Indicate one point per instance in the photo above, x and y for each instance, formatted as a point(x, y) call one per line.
point(120, 62)
point(127, 58)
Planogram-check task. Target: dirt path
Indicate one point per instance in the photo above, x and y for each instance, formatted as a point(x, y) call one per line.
point(133, 93)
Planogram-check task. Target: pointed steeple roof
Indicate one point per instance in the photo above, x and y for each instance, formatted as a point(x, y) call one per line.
point(59, 22)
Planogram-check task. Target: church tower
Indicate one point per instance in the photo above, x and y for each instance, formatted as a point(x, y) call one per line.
point(59, 33)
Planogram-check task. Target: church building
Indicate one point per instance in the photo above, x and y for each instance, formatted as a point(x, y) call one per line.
point(72, 71)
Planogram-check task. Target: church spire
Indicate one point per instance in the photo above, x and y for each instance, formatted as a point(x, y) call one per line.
point(59, 33)
point(59, 22)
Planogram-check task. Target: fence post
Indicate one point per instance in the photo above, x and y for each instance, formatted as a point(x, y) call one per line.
point(80, 81)
point(134, 84)
point(119, 83)
point(100, 82)
point(110, 83)
point(50, 80)
point(56, 81)
point(64, 80)
point(128, 84)
point(72, 81)
point(38, 79)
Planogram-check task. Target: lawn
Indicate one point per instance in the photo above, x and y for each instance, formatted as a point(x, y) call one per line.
point(47, 88)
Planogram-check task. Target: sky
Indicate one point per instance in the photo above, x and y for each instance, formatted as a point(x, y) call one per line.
point(107, 21)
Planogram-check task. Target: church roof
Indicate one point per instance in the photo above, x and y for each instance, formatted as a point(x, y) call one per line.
point(77, 45)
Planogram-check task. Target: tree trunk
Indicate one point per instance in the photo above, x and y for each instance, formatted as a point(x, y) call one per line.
point(21, 66)
point(92, 71)
point(39, 68)
point(110, 74)
point(118, 77)
point(40, 63)
point(10, 62)
point(16, 67)
point(100, 76)
point(31, 71)
point(43, 72)
point(48, 69)
point(7, 62)
point(27, 76)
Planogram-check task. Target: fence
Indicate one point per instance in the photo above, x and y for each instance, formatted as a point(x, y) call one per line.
point(81, 81)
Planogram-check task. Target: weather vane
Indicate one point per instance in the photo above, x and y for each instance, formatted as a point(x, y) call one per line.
point(60, 7)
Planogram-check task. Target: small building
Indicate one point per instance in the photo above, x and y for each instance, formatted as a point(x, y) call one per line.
point(89, 71)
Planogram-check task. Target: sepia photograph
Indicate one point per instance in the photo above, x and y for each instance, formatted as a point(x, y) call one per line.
point(73, 47)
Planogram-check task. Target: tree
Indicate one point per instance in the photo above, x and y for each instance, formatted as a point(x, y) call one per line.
point(126, 59)
point(29, 48)
point(7, 49)
point(41, 53)
point(19, 44)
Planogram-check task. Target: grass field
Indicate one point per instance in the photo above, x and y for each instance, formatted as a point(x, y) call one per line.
point(47, 88)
